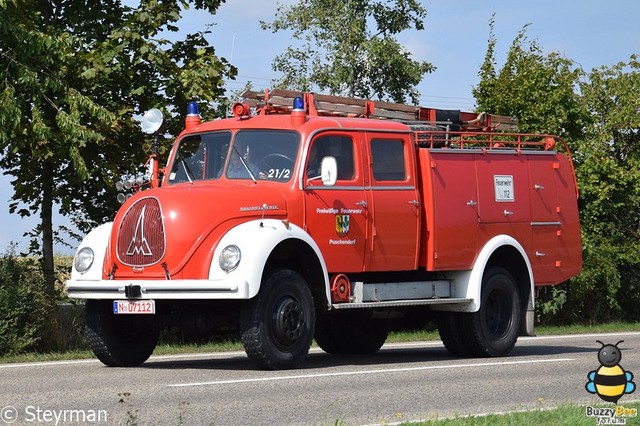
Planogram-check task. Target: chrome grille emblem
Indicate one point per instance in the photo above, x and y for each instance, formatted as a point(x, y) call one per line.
point(139, 243)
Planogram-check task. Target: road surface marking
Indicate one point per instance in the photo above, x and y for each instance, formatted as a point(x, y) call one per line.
point(364, 372)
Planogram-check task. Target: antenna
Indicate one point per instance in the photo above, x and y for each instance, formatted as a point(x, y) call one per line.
point(264, 208)
point(233, 46)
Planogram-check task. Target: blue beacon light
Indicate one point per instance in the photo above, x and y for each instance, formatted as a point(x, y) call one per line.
point(193, 116)
point(298, 115)
point(192, 108)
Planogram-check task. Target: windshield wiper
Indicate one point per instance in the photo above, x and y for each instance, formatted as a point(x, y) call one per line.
point(187, 171)
point(244, 163)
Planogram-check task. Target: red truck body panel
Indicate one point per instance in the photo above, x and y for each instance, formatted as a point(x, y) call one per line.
point(472, 196)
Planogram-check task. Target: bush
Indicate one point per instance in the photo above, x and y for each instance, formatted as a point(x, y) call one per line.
point(549, 307)
point(23, 305)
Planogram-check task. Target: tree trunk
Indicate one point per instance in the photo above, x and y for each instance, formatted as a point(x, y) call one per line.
point(47, 229)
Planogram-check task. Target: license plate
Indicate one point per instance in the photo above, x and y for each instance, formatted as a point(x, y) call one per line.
point(134, 307)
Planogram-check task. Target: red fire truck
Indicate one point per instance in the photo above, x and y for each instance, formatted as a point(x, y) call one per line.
point(311, 216)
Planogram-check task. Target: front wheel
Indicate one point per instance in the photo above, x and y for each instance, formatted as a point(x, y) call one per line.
point(119, 340)
point(277, 325)
point(493, 330)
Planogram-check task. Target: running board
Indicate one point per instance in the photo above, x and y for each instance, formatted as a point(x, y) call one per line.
point(401, 303)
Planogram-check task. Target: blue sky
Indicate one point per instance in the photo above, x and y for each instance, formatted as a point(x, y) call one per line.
point(592, 33)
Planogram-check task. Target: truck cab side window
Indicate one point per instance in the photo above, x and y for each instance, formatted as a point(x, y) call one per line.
point(340, 147)
point(388, 160)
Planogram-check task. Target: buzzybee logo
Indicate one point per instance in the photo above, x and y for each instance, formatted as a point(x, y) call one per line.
point(610, 381)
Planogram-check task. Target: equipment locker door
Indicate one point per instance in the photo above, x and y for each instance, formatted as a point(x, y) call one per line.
point(503, 192)
point(336, 216)
point(545, 220)
point(395, 208)
point(451, 203)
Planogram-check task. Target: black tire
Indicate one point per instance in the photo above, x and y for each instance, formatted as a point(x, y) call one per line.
point(341, 333)
point(119, 340)
point(494, 329)
point(451, 333)
point(277, 325)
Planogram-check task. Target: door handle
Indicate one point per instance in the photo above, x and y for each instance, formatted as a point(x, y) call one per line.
point(362, 204)
point(414, 203)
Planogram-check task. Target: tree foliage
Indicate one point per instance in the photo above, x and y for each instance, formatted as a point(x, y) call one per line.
point(348, 48)
point(73, 76)
point(599, 114)
point(609, 176)
point(530, 86)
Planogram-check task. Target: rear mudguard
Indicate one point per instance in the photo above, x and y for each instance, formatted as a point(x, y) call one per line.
point(468, 284)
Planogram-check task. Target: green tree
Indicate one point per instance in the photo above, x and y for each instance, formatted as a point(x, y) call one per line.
point(348, 48)
point(609, 176)
point(73, 76)
point(537, 88)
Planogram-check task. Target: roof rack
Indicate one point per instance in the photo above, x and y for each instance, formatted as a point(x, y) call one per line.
point(280, 101)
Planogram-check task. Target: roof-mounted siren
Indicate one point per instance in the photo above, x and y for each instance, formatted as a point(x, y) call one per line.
point(193, 116)
point(241, 110)
point(298, 113)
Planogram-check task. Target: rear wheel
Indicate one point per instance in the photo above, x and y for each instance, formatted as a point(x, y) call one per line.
point(350, 333)
point(277, 325)
point(493, 330)
point(119, 340)
point(450, 329)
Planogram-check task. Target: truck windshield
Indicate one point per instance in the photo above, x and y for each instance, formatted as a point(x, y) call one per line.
point(254, 154)
point(266, 154)
point(200, 157)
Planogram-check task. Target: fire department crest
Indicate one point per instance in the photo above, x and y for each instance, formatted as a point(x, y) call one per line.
point(342, 224)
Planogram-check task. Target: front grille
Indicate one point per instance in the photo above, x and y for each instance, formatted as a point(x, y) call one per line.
point(141, 239)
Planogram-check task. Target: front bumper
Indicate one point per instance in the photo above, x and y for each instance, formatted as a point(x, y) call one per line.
point(157, 289)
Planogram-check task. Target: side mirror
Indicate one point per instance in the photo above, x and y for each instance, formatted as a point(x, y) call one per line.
point(329, 171)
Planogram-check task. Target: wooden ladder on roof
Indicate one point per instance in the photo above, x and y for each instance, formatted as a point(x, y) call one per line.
point(280, 101)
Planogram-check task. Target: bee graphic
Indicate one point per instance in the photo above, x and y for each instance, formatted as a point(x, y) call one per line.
point(610, 381)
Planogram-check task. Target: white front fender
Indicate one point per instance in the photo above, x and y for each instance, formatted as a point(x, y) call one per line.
point(256, 240)
point(98, 241)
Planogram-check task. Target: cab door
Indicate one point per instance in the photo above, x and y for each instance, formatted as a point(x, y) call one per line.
point(337, 216)
point(394, 212)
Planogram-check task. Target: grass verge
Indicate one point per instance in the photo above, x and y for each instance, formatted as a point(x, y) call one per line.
point(569, 415)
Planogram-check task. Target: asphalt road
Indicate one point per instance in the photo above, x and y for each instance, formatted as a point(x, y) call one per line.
point(401, 382)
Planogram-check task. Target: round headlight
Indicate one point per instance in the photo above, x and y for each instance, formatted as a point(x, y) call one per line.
point(83, 260)
point(229, 258)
